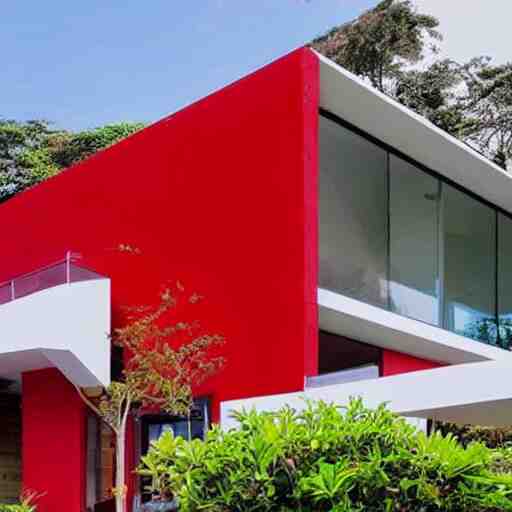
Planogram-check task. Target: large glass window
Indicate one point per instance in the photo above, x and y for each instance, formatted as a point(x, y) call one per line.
point(353, 215)
point(396, 236)
point(505, 280)
point(469, 272)
point(413, 242)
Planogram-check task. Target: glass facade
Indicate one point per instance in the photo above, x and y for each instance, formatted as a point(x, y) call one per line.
point(504, 280)
point(469, 243)
point(353, 214)
point(413, 247)
point(397, 237)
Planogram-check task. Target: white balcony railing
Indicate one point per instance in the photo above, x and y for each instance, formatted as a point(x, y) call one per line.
point(57, 316)
point(57, 273)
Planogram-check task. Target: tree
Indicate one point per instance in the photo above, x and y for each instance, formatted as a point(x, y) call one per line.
point(23, 157)
point(489, 106)
point(434, 93)
point(472, 101)
point(379, 43)
point(78, 146)
point(31, 152)
point(167, 358)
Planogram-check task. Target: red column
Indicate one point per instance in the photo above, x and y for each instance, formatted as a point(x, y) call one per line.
point(53, 441)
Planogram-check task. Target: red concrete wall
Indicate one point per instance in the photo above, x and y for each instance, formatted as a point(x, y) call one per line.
point(394, 363)
point(53, 441)
point(222, 196)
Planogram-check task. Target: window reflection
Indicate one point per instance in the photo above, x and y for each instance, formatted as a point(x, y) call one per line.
point(413, 207)
point(353, 215)
point(395, 236)
point(504, 281)
point(469, 266)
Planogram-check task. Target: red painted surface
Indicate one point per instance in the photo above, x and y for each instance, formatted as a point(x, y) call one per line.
point(53, 441)
point(394, 363)
point(222, 196)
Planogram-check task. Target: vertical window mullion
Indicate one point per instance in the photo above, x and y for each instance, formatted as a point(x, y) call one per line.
point(496, 289)
point(388, 269)
point(440, 254)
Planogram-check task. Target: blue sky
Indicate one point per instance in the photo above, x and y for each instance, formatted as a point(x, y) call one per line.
point(84, 64)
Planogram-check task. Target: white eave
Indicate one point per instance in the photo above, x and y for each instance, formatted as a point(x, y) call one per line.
point(361, 105)
point(470, 393)
point(348, 317)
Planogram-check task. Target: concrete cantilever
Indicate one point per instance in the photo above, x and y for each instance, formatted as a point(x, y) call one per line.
point(66, 327)
point(467, 393)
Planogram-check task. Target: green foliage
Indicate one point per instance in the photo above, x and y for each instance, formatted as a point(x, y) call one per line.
point(502, 460)
point(24, 159)
point(17, 507)
point(27, 503)
point(432, 92)
point(472, 101)
point(83, 144)
point(321, 459)
point(489, 436)
point(489, 107)
point(31, 152)
point(381, 42)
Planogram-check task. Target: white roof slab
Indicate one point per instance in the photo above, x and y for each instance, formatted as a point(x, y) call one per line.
point(65, 327)
point(353, 100)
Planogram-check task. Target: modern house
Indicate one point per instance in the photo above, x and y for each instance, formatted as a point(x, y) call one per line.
point(345, 247)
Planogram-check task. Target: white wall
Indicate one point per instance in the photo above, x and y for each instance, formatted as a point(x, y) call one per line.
point(66, 326)
point(467, 393)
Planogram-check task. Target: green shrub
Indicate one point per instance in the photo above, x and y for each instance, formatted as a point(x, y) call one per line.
point(502, 460)
point(15, 507)
point(27, 503)
point(466, 434)
point(321, 459)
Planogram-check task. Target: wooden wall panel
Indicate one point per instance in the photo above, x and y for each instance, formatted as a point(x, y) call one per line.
point(10, 448)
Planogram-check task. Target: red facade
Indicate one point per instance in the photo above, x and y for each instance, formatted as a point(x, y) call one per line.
point(222, 196)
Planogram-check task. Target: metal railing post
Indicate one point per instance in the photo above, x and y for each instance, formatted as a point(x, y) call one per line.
point(68, 269)
point(13, 294)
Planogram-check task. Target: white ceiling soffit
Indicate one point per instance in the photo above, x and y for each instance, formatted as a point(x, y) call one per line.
point(369, 324)
point(65, 327)
point(465, 394)
point(353, 100)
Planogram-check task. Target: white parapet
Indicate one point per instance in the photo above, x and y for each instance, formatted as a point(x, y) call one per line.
point(369, 324)
point(474, 393)
point(66, 327)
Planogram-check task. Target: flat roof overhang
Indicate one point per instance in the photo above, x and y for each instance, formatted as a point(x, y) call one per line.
point(378, 115)
point(465, 394)
point(369, 324)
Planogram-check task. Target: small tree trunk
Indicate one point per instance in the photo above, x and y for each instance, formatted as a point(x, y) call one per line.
point(120, 494)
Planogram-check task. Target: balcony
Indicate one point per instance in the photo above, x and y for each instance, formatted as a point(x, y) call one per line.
point(57, 316)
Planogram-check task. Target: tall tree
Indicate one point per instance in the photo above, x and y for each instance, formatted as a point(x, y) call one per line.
point(435, 94)
point(31, 152)
point(489, 107)
point(78, 146)
point(381, 42)
point(167, 358)
point(23, 157)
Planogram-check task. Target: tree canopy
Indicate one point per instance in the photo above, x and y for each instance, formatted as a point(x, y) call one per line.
point(32, 151)
point(381, 42)
point(387, 45)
